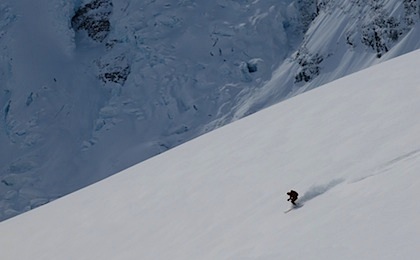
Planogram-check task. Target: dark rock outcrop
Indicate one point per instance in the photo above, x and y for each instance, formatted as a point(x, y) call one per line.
point(94, 19)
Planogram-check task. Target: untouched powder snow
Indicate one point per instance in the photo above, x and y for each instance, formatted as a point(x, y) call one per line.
point(350, 148)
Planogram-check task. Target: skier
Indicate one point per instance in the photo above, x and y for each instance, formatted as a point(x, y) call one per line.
point(293, 195)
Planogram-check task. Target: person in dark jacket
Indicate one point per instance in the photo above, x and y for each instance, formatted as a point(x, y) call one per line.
point(293, 196)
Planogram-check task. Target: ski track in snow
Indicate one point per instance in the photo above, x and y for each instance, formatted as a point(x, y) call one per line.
point(386, 167)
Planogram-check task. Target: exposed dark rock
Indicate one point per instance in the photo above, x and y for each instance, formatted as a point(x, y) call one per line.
point(94, 19)
point(380, 33)
point(116, 70)
point(118, 76)
point(309, 64)
point(384, 30)
point(411, 8)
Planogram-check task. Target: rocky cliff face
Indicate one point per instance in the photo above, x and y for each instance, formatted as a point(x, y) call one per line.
point(92, 87)
point(343, 37)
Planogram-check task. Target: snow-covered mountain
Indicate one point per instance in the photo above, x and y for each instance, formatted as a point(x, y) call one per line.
point(140, 77)
point(351, 149)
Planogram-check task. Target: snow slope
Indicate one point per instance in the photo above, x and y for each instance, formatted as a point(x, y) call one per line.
point(351, 148)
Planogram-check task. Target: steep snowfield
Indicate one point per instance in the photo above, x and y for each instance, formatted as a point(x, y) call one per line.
point(351, 148)
point(91, 87)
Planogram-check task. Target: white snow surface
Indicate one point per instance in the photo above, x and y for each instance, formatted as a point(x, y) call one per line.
point(351, 148)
